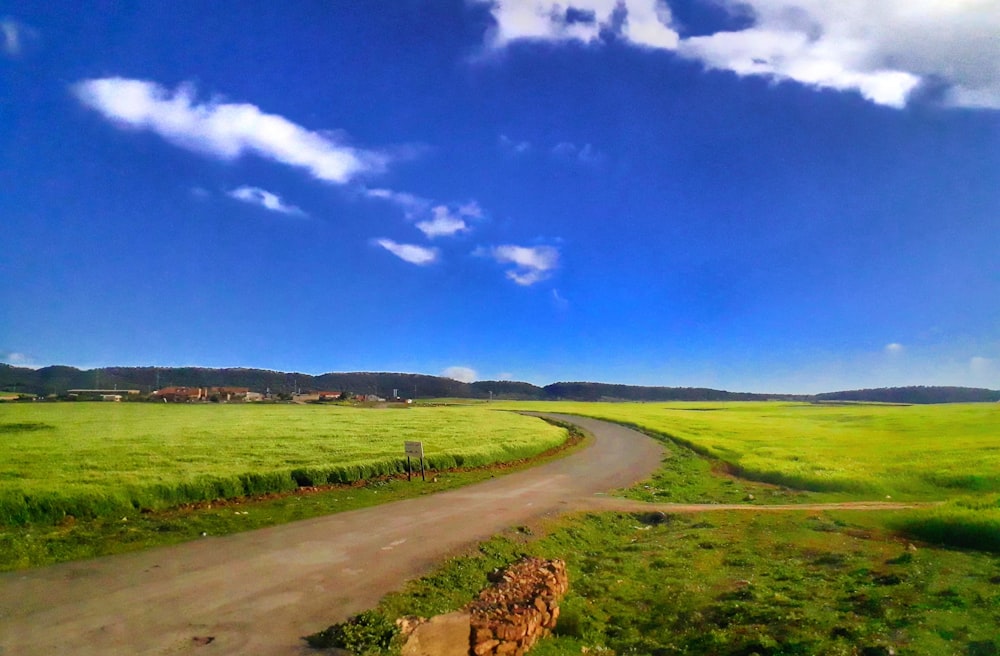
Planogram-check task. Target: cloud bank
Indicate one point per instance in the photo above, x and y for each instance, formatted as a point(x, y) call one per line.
point(224, 130)
point(882, 50)
point(265, 199)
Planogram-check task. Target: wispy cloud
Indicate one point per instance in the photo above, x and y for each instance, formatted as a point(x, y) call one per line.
point(265, 199)
point(559, 301)
point(531, 263)
point(439, 220)
point(411, 204)
point(225, 130)
point(18, 359)
point(461, 374)
point(895, 348)
point(411, 253)
point(979, 364)
point(585, 154)
point(883, 50)
point(512, 146)
point(14, 36)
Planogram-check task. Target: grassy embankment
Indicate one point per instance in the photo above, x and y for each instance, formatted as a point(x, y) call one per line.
point(85, 479)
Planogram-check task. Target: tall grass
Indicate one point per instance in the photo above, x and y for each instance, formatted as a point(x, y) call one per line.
point(969, 523)
point(90, 459)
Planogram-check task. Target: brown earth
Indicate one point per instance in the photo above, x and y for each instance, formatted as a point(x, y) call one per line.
point(258, 592)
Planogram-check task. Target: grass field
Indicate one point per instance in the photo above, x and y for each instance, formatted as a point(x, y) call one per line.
point(737, 584)
point(865, 451)
point(102, 459)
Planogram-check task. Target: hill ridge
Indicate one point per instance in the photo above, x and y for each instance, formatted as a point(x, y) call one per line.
point(57, 379)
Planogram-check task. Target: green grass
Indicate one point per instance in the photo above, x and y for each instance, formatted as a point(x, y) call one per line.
point(907, 452)
point(35, 545)
point(733, 584)
point(86, 460)
point(795, 452)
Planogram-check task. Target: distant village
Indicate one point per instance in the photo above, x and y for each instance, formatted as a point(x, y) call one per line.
point(181, 394)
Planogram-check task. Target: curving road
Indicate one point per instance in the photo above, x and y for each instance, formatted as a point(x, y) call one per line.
point(258, 592)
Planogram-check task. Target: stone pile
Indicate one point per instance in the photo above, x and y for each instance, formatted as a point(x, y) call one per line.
point(510, 616)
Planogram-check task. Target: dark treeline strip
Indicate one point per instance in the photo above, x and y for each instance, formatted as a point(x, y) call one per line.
point(59, 379)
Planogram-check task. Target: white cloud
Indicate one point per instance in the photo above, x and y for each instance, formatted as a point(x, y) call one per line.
point(14, 36)
point(648, 24)
point(224, 130)
point(461, 374)
point(265, 199)
point(883, 50)
point(443, 223)
point(578, 20)
point(560, 302)
point(895, 348)
point(505, 375)
point(827, 62)
point(531, 263)
point(411, 253)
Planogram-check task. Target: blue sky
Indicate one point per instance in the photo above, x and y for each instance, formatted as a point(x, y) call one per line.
point(769, 195)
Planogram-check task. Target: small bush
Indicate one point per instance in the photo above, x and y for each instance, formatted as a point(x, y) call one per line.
point(367, 634)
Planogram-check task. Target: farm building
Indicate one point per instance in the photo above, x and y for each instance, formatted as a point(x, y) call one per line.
point(101, 394)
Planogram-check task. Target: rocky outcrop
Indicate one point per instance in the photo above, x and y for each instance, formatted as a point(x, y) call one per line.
point(507, 619)
point(510, 616)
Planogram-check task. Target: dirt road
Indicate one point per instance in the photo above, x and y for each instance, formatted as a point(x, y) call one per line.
point(259, 592)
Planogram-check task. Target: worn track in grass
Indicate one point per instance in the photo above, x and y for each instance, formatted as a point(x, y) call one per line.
point(258, 592)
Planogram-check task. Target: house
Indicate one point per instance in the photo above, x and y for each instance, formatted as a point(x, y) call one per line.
point(180, 394)
point(226, 394)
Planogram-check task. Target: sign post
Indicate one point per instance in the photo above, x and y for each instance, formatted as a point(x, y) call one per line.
point(414, 450)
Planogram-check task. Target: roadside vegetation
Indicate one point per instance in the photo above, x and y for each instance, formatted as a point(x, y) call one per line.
point(735, 584)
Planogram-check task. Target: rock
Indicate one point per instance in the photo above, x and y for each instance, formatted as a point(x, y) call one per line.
point(749, 497)
point(485, 647)
point(443, 635)
point(408, 624)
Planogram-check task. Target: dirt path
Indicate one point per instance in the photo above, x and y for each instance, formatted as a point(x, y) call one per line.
point(259, 592)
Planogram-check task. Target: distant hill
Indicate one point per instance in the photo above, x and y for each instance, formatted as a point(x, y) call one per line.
point(607, 392)
point(917, 394)
point(58, 379)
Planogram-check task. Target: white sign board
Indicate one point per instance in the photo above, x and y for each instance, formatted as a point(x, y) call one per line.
point(414, 449)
